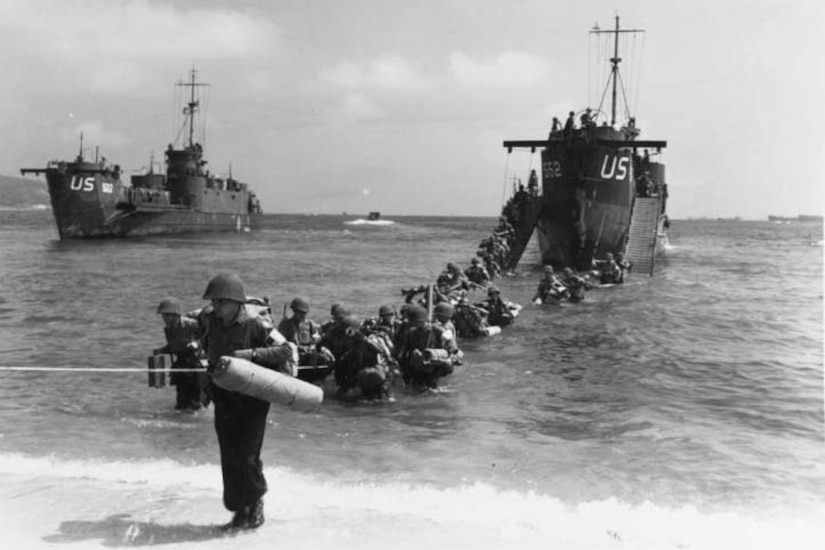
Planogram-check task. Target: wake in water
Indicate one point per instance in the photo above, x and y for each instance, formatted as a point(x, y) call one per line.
point(362, 221)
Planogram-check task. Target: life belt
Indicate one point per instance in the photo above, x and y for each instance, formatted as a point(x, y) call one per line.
point(242, 376)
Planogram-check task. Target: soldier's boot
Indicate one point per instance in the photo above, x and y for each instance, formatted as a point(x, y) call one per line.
point(239, 521)
point(256, 515)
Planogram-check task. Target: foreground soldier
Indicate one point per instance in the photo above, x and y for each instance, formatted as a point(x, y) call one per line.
point(182, 344)
point(233, 328)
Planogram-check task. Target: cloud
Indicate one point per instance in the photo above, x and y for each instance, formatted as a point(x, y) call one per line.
point(385, 73)
point(115, 45)
point(509, 69)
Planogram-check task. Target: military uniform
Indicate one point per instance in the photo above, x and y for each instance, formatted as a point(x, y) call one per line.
point(240, 420)
point(576, 286)
point(424, 353)
point(181, 345)
point(477, 274)
point(499, 312)
point(305, 334)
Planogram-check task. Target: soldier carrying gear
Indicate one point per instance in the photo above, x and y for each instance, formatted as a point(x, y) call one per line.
point(225, 286)
point(182, 335)
point(233, 328)
point(306, 334)
point(576, 286)
point(423, 352)
point(550, 287)
point(499, 312)
point(476, 273)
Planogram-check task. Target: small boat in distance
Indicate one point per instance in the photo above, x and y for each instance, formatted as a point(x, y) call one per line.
point(603, 190)
point(89, 199)
point(374, 218)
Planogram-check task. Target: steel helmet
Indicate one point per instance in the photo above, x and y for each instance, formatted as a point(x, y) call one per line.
point(170, 305)
point(548, 269)
point(338, 310)
point(493, 289)
point(567, 271)
point(475, 261)
point(386, 309)
point(225, 286)
point(299, 303)
point(417, 314)
point(444, 309)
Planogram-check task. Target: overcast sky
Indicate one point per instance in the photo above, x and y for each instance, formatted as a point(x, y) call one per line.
point(401, 106)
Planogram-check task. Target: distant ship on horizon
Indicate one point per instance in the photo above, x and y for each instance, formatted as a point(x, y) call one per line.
point(799, 218)
point(89, 199)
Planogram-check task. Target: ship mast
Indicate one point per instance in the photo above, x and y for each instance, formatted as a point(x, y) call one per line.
point(191, 107)
point(614, 61)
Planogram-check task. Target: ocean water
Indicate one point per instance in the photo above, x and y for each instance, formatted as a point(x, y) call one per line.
point(683, 410)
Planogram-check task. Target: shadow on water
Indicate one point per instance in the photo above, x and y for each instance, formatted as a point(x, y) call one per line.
point(118, 530)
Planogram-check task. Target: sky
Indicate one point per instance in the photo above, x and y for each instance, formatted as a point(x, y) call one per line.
point(328, 106)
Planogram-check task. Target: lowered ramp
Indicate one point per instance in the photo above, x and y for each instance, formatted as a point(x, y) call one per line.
point(524, 230)
point(641, 243)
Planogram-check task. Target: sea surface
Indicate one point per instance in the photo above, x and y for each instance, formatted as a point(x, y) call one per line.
point(683, 410)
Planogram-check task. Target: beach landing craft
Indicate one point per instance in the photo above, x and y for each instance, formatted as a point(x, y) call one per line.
point(602, 191)
point(89, 199)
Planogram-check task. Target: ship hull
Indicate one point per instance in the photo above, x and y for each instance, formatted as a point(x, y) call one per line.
point(89, 203)
point(592, 187)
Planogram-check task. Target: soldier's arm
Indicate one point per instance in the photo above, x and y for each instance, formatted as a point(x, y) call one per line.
point(273, 351)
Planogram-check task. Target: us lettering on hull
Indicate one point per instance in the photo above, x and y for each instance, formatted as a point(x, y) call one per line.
point(615, 167)
point(82, 183)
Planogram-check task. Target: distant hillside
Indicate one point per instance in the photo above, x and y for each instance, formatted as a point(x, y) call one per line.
point(22, 192)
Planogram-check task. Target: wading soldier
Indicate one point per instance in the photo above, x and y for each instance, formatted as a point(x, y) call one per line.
point(233, 328)
point(182, 344)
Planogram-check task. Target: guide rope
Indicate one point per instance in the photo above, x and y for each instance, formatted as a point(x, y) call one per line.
point(95, 369)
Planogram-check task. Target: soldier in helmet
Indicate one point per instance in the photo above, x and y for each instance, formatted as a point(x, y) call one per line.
point(337, 312)
point(500, 312)
point(332, 331)
point(182, 335)
point(231, 328)
point(305, 334)
point(550, 287)
point(607, 270)
point(422, 354)
point(366, 364)
point(575, 285)
point(451, 283)
point(443, 313)
point(476, 273)
point(624, 266)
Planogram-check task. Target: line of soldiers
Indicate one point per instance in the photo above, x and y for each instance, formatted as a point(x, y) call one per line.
point(571, 286)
